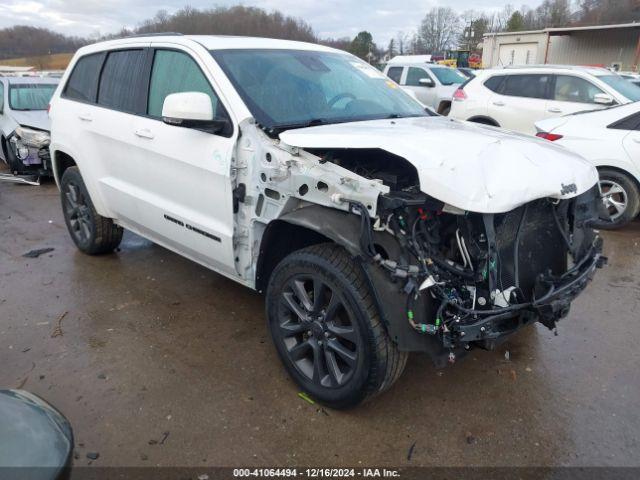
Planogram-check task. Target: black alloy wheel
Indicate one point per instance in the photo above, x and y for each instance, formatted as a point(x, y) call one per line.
point(318, 333)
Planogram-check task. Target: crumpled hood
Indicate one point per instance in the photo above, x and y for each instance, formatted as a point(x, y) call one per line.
point(35, 118)
point(472, 167)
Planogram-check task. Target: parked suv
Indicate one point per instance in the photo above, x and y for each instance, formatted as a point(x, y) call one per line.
point(432, 84)
point(24, 125)
point(516, 97)
point(374, 227)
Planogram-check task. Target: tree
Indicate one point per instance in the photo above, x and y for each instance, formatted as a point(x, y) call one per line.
point(439, 29)
point(391, 48)
point(362, 45)
point(516, 22)
point(402, 39)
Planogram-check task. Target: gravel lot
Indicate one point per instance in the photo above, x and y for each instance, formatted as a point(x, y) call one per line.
point(162, 362)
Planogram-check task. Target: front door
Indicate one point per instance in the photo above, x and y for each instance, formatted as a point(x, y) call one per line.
point(184, 187)
point(426, 94)
point(572, 94)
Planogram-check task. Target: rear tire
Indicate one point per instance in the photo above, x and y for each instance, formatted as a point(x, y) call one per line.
point(327, 330)
point(621, 198)
point(92, 233)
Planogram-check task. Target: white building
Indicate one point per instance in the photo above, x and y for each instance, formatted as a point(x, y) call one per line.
point(603, 45)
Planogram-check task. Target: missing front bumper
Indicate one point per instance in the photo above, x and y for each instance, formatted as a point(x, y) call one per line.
point(490, 330)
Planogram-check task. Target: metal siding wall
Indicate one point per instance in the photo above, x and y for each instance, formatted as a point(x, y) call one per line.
point(591, 48)
point(491, 46)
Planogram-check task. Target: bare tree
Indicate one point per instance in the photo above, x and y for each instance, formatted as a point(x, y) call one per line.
point(402, 41)
point(439, 29)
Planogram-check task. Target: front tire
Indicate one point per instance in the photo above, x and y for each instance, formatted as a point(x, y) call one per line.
point(327, 330)
point(621, 199)
point(92, 233)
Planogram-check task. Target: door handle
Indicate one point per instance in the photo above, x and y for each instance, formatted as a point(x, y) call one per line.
point(144, 133)
point(555, 110)
point(636, 139)
point(499, 104)
point(85, 117)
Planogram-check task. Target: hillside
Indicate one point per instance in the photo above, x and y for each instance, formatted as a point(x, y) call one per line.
point(57, 61)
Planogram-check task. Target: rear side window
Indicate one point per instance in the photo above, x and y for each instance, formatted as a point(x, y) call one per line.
point(529, 86)
point(1, 97)
point(176, 72)
point(121, 80)
point(83, 81)
point(630, 123)
point(494, 83)
point(574, 89)
point(414, 75)
point(395, 74)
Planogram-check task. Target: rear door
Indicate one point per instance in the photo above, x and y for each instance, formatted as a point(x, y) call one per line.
point(571, 94)
point(520, 101)
point(631, 141)
point(74, 128)
point(182, 182)
point(120, 99)
point(426, 94)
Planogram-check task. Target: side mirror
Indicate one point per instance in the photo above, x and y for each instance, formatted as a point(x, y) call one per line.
point(191, 110)
point(603, 99)
point(426, 82)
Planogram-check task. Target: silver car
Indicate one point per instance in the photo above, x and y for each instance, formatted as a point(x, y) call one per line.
point(24, 124)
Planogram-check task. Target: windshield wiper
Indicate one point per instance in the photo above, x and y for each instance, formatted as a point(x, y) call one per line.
point(309, 123)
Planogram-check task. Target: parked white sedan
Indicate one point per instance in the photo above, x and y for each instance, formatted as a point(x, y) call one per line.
point(610, 139)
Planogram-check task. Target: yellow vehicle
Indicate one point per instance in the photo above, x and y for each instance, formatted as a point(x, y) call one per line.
point(462, 59)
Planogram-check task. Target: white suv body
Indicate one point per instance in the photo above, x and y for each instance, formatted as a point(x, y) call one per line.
point(432, 84)
point(515, 98)
point(302, 171)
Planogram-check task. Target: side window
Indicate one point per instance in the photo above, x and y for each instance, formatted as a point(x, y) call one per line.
point(495, 83)
point(629, 123)
point(1, 97)
point(395, 74)
point(529, 86)
point(121, 80)
point(83, 81)
point(414, 75)
point(175, 72)
point(574, 89)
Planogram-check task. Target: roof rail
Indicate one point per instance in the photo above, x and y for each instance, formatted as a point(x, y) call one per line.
point(155, 34)
point(551, 65)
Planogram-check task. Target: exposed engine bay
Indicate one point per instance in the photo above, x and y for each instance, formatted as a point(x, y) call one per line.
point(445, 278)
point(482, 275)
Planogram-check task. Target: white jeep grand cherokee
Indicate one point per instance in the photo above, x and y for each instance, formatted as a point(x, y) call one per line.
point(375, 227)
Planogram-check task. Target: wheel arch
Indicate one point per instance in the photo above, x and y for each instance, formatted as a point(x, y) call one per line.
point(627, 173)
point(60, 161)
point(302, 228)
point(442, 106)
point(317, 224)
point(483, 119)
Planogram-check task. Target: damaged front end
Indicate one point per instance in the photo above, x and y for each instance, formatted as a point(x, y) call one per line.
point(29, 157)
point(471, 279)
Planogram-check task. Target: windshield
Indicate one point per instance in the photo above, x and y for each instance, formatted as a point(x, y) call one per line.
point(625, 87)
point(30, 96)
point(295, 88)
point(448, 76)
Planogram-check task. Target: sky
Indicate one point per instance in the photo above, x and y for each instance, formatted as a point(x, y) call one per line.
point(329, 18)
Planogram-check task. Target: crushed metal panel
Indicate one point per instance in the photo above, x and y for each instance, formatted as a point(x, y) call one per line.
point(492, 171)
